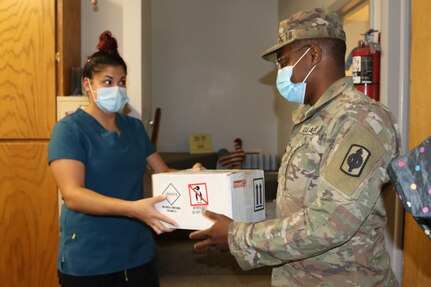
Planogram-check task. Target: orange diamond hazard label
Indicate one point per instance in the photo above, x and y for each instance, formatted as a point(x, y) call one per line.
point(198, 194)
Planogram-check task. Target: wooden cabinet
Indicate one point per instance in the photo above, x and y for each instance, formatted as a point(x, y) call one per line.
point(32, 32)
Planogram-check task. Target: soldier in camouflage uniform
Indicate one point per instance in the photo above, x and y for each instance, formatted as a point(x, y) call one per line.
point(328, 229)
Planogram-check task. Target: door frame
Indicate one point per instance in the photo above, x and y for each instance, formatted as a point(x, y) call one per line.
point(393, 21)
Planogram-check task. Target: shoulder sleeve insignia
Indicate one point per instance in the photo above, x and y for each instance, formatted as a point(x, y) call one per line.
point(357, 155)
point(355, 160)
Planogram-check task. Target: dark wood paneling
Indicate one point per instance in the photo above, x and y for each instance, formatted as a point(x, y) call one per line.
point(68, 42)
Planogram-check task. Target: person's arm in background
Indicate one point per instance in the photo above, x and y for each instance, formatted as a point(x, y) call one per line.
point(157, 164)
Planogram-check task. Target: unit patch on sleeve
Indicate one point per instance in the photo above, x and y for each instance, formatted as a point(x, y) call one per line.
point(355, 160)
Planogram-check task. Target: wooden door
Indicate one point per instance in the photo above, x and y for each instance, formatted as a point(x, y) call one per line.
point(417, 247)
point(27, 69)
point(28, 83)
point(28, 216)
point(28, 194)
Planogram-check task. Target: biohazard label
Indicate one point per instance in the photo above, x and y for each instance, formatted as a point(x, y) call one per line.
point(198, 194)
point(258, 194)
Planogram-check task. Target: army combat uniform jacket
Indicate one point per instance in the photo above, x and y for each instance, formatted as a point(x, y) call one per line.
point(329, 224)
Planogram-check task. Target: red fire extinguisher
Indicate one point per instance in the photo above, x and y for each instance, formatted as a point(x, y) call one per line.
point(366, 66)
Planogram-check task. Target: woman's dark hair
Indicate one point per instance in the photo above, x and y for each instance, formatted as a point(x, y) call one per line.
point(107, 55)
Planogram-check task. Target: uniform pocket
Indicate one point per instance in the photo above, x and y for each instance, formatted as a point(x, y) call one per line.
point(298, 176)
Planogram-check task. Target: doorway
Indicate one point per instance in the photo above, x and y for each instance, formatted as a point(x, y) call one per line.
point(358, 17)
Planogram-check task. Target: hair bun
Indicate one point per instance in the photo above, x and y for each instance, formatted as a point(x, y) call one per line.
point(107, 43)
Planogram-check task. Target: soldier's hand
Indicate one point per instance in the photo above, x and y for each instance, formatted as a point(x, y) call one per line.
point(215, 238)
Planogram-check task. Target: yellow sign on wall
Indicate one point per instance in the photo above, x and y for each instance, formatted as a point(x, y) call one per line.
point(200, 143)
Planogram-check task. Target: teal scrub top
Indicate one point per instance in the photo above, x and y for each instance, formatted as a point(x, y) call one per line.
point(114, 166)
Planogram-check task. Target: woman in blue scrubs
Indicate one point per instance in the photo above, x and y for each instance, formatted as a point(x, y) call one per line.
point(98, 157)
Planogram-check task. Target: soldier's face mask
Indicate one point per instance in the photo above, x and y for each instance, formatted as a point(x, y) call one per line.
point(292, 92)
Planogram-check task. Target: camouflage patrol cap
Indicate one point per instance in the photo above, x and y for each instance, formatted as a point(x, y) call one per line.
point(310, 24)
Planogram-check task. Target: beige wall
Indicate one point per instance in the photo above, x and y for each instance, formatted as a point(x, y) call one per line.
point(208, 76)
point(288, 7)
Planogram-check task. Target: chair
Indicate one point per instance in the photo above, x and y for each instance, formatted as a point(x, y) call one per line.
point(155, 124)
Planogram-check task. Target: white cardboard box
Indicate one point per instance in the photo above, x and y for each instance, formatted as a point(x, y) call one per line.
point(238, 194)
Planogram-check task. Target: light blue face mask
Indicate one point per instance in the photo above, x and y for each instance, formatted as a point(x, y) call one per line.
point(111, 99)
point(292, 92)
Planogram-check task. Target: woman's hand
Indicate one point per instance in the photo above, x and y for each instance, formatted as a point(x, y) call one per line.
point(198, 167)
point(144, 211)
